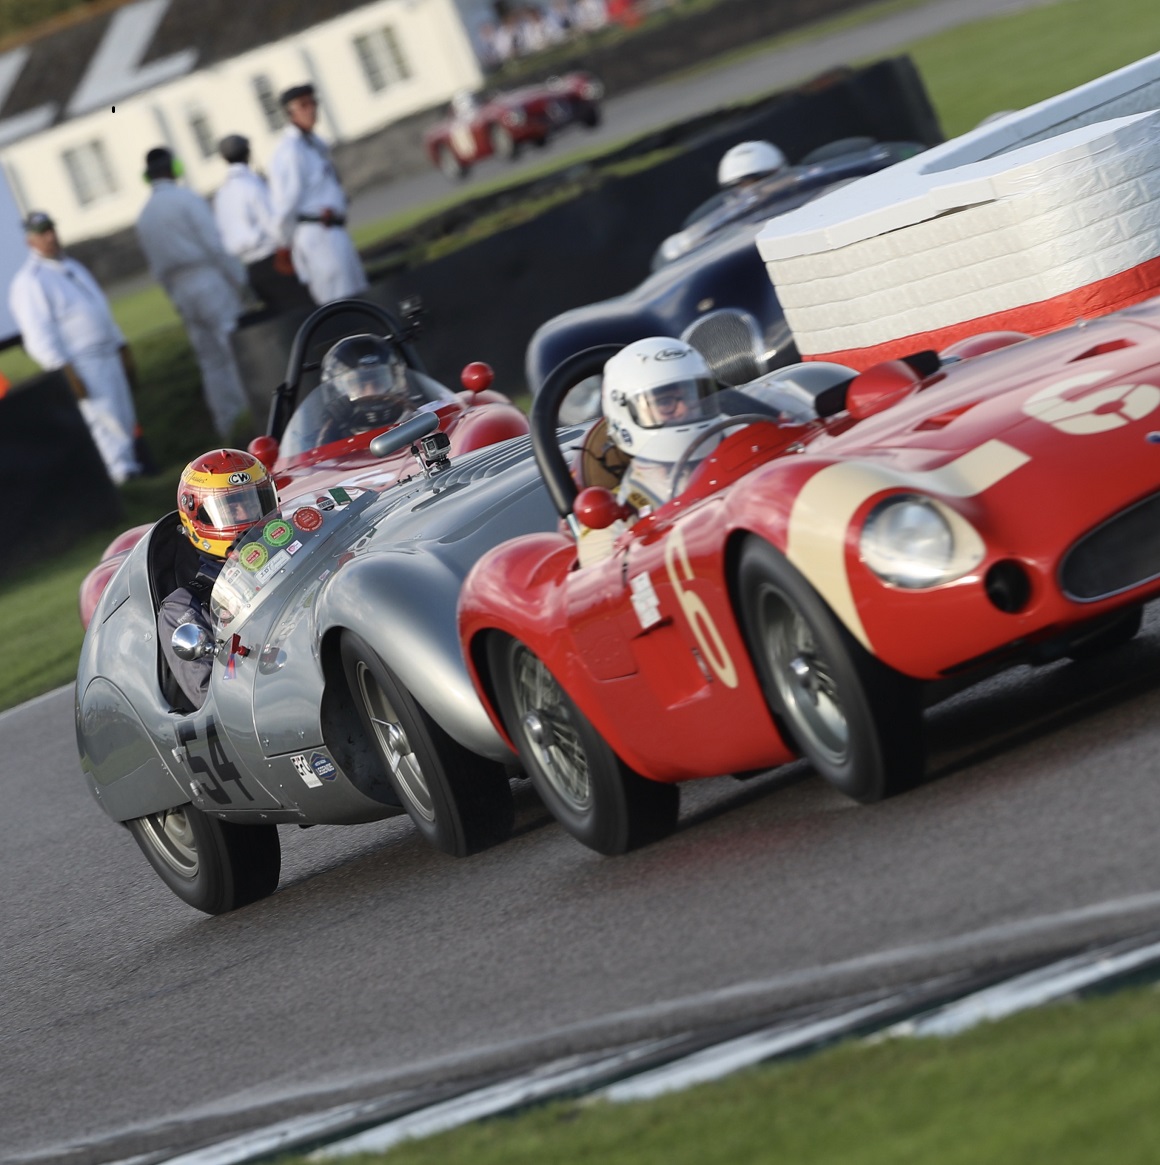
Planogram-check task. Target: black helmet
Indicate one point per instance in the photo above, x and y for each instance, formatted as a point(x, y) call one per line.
point(159, 163)
point(234, 148)
point(365, 379)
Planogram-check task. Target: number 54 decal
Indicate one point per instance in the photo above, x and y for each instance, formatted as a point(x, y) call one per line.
point(708, 637)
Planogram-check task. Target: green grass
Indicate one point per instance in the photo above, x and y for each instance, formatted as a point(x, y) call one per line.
point(1061, 1085)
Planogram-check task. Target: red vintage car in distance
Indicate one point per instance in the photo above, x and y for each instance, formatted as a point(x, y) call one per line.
point(475, 129)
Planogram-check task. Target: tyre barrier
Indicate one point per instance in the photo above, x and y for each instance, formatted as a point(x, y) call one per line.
point(1027, 223)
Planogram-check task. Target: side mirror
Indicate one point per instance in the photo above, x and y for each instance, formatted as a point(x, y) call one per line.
point(879, 387)
point(192, 642)
point(477, 376)
point(596, 508)
point(265, 449)
point(405, 434)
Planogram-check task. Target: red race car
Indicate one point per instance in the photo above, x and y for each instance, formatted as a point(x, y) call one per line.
point(848, 540)
point(475, 129)
point(325, 438)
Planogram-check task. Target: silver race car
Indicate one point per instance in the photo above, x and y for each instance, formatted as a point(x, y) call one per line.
point(338, 691)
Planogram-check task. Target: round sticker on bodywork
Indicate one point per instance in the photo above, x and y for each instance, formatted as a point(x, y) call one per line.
point(307, 518)
point(253, 556)
point(278, 532)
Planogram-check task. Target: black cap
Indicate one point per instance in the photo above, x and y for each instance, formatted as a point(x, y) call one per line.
point(159, 163)
point(295, 91)
point(38, 222)
point(234, 148)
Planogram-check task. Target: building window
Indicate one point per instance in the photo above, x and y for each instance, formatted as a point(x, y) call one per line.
point(89, 169)
point(268, 99)
point(202, 132)
point(382, 58)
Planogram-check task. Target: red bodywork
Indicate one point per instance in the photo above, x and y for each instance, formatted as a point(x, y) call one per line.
point(1032, 447)
point(529, 114)
point(472, 420)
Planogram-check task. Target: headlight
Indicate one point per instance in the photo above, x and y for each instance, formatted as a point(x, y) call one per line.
point(515, 117)
point(912, 541)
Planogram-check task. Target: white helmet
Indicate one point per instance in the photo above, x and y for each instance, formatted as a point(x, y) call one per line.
point(658, 397)
point(749, 160)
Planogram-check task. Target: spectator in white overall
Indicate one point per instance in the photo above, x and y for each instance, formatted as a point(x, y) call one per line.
point(310, 206)
point(177, 232)
point(65, 323)
point(245, 222)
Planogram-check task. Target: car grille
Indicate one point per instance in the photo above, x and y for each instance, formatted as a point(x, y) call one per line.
point(731, 343)
point(1122, 553)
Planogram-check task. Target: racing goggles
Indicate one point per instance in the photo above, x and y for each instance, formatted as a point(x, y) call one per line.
point(678, 403)
point(241, 505)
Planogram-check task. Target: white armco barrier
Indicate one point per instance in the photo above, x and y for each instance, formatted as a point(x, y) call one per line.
point(1027, 223)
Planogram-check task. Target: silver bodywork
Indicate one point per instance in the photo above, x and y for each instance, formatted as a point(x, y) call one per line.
point(278, 738)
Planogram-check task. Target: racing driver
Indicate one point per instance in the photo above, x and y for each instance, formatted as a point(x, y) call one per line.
point(219, 497)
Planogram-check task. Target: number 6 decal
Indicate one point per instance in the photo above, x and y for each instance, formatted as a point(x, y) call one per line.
point(713, 649)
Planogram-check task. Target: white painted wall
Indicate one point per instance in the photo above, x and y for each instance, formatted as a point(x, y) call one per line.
point(430, 33)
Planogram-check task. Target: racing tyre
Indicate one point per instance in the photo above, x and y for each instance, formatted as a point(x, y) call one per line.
point(593, 794)
point(858, 722)
point(213, 865)
point(460, 802)
point(449, 164)
point(503, 145)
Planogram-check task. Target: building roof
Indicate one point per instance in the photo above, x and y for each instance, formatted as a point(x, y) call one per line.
point(58, 63)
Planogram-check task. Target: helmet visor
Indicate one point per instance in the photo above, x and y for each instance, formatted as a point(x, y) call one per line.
point(680, 403)
point(242, 505)
point(370, 382)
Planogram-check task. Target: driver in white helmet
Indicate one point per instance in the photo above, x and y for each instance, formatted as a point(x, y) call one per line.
point(748, 162)
point(658, 399)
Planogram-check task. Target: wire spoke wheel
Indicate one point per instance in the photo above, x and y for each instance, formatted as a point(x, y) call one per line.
point(550, 731)
point(594, 795)
point(804, 678)
point(393, 742)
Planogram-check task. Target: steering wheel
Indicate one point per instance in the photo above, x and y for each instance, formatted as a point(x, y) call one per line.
point(682, 462)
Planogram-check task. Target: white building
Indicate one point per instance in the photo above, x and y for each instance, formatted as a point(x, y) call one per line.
point(80, 105)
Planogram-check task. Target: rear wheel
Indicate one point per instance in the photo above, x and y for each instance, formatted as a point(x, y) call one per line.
point(857, 721)
point(503, 144)
point(459, 802)
point(594, 795)
point(213, 865)
point(449, 164)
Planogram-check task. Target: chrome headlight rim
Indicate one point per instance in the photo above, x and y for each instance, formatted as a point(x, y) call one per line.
point(915, 542)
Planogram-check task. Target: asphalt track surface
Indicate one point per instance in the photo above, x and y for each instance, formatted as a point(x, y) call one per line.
point(130, 1024)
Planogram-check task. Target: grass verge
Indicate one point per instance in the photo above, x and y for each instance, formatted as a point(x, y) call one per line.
point(1069, 1084)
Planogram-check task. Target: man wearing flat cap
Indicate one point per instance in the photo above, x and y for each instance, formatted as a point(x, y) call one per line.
point(180, 239)
point(65, 323)
point(245, 222)
point(309, 204)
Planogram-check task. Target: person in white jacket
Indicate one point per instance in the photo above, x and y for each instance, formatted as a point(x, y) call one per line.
point(310, 206)
point(65, 323)
point(178, 234)
point(245, 222)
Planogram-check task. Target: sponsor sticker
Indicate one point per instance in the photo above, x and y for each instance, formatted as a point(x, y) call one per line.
point(271, 568)
point(303, 769)
point(323, 766)
point(294, 547)
point(253, 556)
point(645, 602)
point(340, 495)
point(239, 478)
point(307, 518)
point(324, 502)
point(278, 532)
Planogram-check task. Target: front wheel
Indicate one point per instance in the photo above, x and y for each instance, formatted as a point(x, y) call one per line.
point(593, 794)
point(213, 865)
point(459, 802)
point(858, 722)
